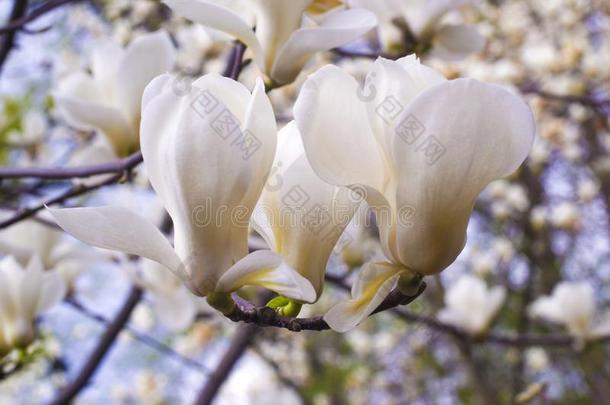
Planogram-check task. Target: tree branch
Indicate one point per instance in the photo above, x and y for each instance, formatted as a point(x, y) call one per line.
point(241, 340)
point(70, 391)
point(17, 23)
point(263, 316)
point(18, 11)
point(74, 191)
point(63, 173)
point(144, 338)
point(588, 100)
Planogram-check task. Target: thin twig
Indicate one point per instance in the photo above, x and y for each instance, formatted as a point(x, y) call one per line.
point(18, 11)
point(241, 340)
point(74, 191)
point(70, 391)
point(63, 173)
point(586, 100)
point(146, 339)
point(263, 316)
point(22, 20)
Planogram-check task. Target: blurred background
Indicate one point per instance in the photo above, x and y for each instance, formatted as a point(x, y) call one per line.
point(538, 240)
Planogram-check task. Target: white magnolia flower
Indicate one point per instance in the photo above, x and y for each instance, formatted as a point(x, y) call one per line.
point(174, 305)
point(282, 43)
point(34, 127)
point(536, 359)
point(56, 251)
point(109, 98)
point(207, 153)
point(24, 293)
point(572, 304)
point(254, 382)
point(470, 305)
point(357, 245)
point(566, 216)
point(300, 216)
point(426, 21)
point(421, 148)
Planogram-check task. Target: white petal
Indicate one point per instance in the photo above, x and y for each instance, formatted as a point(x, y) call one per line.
point(266, 269)
point(209, 174)
point(82, 106)
point(390, 87)
point(304, 216)
point(337, 29)
point(220, 18)
point(472, 133)
point(276, 20)
point(146, 57)
point(337, 136)
point(156, 86)
point(106, 55)
point(119, 229)
point(53, 290)
point(454, 42)
point(29, 288)
point(260, 121)
point(375, 282)
point(176, 311)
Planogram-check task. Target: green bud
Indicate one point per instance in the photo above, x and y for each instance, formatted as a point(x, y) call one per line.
point(409, 283)
point(221, 302)
point(285, 306)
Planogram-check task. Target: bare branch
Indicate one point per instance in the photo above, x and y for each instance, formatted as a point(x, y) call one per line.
point(63, 173)
point(241, 340)
point(144, 338)
point(70, 391)
point(263, 316)
point(17, 23)
point(18, 11)
point(75, 190)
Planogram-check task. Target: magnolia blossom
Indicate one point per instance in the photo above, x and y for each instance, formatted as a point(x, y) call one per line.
point(357, 245)
point(425, 20)
point(572, 304)
point(282, 43)
point(33, 130)
point(420, 148)
point(109, 98)
point(299, 216)
point(173, 304)
point(470, 305)
point(55, 251)
point(24, 293)
point(207, 153)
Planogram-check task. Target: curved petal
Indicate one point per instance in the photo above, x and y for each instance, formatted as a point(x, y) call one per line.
point(220, 18)
point(29, 288)
point(276, 20)
point(146, 57)
point(337, 136)
point(375, 282)
point(304, 215)
point(52, 291)
point(337, 29)
point(472, 133)
point(391, 86)
point(87, 115)
point(119, 229)
point(207, 154)
point(176, 311)
point(266, 269)
point(106, 55)
point(454, 42)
